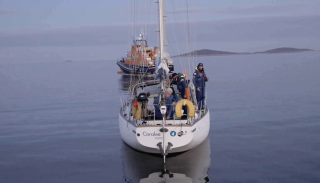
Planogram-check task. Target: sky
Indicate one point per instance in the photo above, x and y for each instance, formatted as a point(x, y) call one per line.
point(54, 31)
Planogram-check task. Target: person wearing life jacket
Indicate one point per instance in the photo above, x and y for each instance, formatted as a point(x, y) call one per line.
point(199, 81)
point(180, 80)
point(170, 100)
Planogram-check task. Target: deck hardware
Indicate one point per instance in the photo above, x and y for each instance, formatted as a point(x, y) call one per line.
point(164, 130)
point(167, 150)
point(166, 172)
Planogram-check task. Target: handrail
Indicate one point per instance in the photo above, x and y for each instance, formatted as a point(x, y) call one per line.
point(145, 83)
point(151, 119)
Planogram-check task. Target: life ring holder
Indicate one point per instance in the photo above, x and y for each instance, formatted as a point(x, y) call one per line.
point(179, 105)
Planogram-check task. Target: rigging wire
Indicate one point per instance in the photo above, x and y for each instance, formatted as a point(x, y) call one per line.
point(185, 24)
point(195, 58)
point(186, 38)
point(188, 29)
point(173, 30)
point(141, 14)
point(135, 10)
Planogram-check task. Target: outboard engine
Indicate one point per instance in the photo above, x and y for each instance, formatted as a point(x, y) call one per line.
point(142, 97)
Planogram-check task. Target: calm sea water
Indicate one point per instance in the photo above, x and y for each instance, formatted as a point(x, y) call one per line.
point(59, 123)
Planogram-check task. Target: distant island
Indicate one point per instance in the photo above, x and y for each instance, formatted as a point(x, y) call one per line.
point(207, 52)
point(285, 50)
point(68, 61)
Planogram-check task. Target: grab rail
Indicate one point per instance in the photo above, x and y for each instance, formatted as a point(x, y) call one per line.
point(148, 116)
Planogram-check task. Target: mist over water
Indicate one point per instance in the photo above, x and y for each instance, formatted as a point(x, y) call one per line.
point(59, 122)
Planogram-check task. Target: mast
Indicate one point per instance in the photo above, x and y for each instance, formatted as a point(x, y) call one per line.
point(163, 69)
point(161, 30)
point(162, 72)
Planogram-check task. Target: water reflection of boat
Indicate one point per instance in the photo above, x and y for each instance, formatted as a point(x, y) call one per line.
point(190, 166)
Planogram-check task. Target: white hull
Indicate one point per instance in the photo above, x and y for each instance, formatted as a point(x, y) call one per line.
point(146, 138)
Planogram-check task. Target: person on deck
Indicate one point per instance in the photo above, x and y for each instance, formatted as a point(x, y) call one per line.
point(180, 80)
point(170, 100)
point(199, 81)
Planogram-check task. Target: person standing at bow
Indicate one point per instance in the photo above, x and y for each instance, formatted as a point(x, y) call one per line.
point(199, 81)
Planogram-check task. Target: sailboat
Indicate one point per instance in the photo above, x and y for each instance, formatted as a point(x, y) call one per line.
point(139, 126)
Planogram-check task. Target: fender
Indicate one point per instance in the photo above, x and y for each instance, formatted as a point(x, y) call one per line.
point(134, 107)
point(139, 110)
point(188, 104)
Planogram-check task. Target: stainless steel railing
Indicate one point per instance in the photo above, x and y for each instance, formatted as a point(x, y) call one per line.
point(148, 116)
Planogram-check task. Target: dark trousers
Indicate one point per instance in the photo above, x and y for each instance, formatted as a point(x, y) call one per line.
point(182, 91)
point(200, 97)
